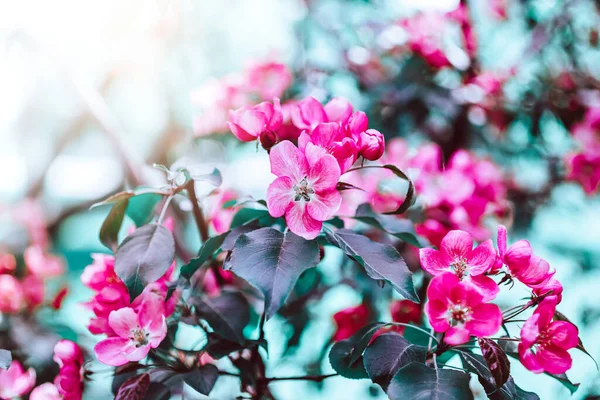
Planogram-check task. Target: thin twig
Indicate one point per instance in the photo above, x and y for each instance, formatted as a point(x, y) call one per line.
point(197, 210)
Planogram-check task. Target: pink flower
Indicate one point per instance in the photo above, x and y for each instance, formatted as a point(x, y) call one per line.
point(308, 113)
point(15, 382)
point(137, 333)
point(459, 310)
point(349, 321)
point(109, 299)
point(372, 144)
point(521, 262)
point(220, 218)
point(8, 263)
point(268, 79)
point(100, 273)
point(42, 264)
point(585, 169)
point(550, 288)
point(544, 343)
point(425, 38)
point(330, 138)
point(248, 123)
point(46, 391)
point(338, 110)
point(33, 291)
point(58, 299)
point(457, 256)
point(305, 189)
point(69, 381)
point(11, 295)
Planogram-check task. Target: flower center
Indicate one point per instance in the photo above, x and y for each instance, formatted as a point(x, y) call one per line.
point(460, 268)
point(303, 190)
point(139, 336)
point(458, 314)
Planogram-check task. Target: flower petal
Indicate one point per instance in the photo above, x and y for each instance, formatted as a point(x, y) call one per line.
point(563, 334)
point(287, 160)
point(324, 175)
point(482, 258)
point(301, 223)
point(554, 360)
point(436, 311)
point(123, 320)
point(111, 351)
point(501, 240)
point(529, 360)
point(486, 319)
point(485, 285)
point(457, 244)
point(432, 261)
point(457, 335)
point(338, 110)
point(280, 196)
point(323, 206)
point(518, 254)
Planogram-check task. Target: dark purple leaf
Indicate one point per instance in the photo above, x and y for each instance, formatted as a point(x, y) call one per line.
point(202, 379)
point(381, 261)
point(144, 256)
point(346, 355)
point(496, 360)
point(347, 186)
point(272, 261)
point(227, 314)
point(134, 388)
point(403, 229)
point(417, 381)
point(387, 354)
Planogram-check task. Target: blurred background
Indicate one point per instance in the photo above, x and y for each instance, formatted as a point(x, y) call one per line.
point(93, 93)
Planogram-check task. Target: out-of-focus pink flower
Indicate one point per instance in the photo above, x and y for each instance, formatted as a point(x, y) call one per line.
point(372, 144)
point(459, 310)
point(57, 301)
point(268, 79)
point(405, 311)
point(305, 189)
point(46, 391)
point(69, 381)
point(16, 382)
point(461, 15)
point(220, 218)
point(584, 168)
point(30, 213)
point(248, 123)
point(136, 334)
point(42, 264)
point(425, 32)
point(349, 321)
point(33, 291)
point(544, 343)
point(8, 263)
point(11, 295)
point(457, 256)
point(498, 9)
point(100, 273)
point(214, 279)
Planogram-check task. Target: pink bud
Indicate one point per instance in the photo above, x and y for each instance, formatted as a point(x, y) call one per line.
point(372, 144)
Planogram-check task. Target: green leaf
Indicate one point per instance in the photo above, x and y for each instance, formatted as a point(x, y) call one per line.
point(114, 198)
point(403, 229)
point(141, 208)
point(5, 359)
point(109, 232)
point(381, 261)
point(246, 215)
point(227, 314)
point(144, 256)
point(272, 261)
point(387, 354)
point(417, 381)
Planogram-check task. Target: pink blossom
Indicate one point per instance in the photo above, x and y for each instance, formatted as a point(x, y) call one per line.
point(46, 391)
point(544, 343)
point(457, 256)
point(33, 291)
point(100, 273)
point(214, 279)
point(109, 299)
point(329, 138)
point(550, 288)
point(349, 321)
point(8, 263)
point(425, 33)
point(15, 382)
point(219, 217)
point(305, 189)
point(459, 310)
point(308, 113)
point(584, 168)
point(136, 334)
point(372, 144)
point(41, 264)
point(248, 123)
point(268, 79)
point(11, 295)
point(521, 262)
point(69, 381)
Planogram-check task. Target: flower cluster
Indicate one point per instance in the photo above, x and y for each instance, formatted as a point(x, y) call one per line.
point(132, 327)
point(583, 167)
point(330, 139)
point(16, 382)
point(479, 189)
point(261, 81)
point(459, 297)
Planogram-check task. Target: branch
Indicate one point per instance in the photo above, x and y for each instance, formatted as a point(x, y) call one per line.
point(313, 378)
point(198, 213)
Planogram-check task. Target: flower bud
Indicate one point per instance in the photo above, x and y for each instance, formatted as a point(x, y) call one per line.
point(372, 144)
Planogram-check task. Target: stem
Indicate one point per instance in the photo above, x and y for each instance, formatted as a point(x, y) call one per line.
point(417, 328)
point(314, 378)
point(198, 214)
point(261, 326)
point(164, 210)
